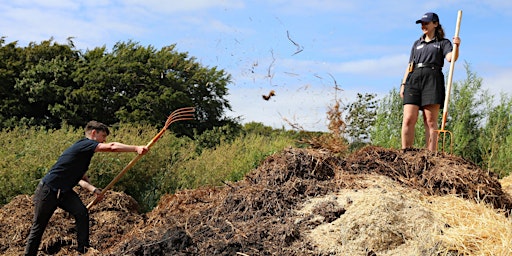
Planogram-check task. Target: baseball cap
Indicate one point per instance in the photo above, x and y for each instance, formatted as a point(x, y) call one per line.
point(428, 17)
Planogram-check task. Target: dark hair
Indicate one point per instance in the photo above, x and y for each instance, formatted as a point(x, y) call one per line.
point(95, 125)
point(439, 31)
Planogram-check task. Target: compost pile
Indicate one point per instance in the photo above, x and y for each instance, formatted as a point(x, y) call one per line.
point(297, 202)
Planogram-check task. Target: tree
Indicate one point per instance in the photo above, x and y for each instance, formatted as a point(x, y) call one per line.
point(34, 82)
point(388, 121)
point(11, 64)
point(495, 136)
point(49, 84)
point(466, 114)
point(361, 118)
point(140, 84)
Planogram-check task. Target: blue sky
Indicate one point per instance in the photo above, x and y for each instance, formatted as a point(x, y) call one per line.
point(296, 48)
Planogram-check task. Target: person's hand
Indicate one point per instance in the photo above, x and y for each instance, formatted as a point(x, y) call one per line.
point(98, 194)
point(402, 90)
point(141, 150)
point(456, 40)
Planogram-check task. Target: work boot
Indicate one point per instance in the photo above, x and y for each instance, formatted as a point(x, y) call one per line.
point(82, 250)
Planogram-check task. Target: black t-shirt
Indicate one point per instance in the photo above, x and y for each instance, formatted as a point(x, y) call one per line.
point(71, 165)
point(432, 52)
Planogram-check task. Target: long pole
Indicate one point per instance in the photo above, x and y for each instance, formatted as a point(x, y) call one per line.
point(450, 73)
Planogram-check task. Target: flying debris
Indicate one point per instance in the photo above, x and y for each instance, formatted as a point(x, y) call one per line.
point(270, 94)
point(299, 47)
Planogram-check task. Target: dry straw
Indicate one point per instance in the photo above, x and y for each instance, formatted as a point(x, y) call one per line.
point(472, 228)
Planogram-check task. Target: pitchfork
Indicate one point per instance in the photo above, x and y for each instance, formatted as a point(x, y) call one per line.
point(443, 131)
point(178, 115)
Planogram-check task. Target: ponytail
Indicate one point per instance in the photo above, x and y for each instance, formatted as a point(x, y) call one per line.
point(439, 31)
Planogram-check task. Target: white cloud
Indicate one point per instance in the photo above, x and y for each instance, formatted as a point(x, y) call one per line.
point(303, 105)
point(384, 66)
point(165, 6)
point(499, 82)
point(56, 4)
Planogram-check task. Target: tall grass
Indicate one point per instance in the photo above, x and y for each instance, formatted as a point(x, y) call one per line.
point(27, 154)
point(172, 163)
point(229, 161)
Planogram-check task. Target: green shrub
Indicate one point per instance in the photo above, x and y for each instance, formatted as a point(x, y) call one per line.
point(27, 154)
point(172, 163)
point(227, 162)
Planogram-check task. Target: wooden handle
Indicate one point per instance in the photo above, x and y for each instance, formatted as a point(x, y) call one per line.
point(125, 169)
point(450, 72)
point(177, 115)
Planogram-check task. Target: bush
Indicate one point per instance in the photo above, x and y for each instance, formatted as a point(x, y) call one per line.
point(27, 154)
point(172, 163)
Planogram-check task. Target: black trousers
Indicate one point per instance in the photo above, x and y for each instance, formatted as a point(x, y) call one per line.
point(46, 202)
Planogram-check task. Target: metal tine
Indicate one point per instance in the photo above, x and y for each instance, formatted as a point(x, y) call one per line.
point(182, 111)
point(180, 115)
point(443, 139)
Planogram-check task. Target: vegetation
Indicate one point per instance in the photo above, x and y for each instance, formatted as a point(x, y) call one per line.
point(481, 124)
point(174, 163)
point(361, 119)
point(49, 84)
point(49, 91)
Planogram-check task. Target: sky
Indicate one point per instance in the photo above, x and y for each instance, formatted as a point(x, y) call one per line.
point(311, 53)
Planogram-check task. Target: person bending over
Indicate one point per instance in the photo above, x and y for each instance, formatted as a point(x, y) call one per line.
point(56, 187)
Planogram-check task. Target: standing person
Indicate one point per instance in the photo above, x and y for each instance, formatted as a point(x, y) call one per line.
point(423, 85)
point(56, 187)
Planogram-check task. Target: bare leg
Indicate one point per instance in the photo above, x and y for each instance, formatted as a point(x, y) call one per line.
point(431, 113)
point(409, 121)
point(427, 129)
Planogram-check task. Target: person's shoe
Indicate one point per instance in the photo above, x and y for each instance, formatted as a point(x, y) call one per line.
point(82, 250)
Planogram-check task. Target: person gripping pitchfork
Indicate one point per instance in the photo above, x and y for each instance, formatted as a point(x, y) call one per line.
point(56, 187)
point(423, 86)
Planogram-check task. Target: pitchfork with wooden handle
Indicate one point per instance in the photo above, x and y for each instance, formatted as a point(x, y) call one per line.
point(178, 115)
point(448, 89)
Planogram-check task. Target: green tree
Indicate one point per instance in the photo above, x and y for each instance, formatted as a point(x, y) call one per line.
point(388, 121)
point(361, 118)
point(34, 82)
point(49, 84)
point(495, 135)
point(140, 84)
point(465, 115)
point(11, 64)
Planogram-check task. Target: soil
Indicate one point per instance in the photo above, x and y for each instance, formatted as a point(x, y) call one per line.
point(297, 202)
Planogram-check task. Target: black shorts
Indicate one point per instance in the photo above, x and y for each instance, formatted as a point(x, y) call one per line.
point(425, 86)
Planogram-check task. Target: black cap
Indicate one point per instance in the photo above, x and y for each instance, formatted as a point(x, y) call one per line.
point(428, 17)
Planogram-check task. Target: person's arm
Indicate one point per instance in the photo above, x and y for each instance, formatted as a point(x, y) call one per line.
point(120, 147)
point(85, 183)
point(404, 79)
point(449, 57)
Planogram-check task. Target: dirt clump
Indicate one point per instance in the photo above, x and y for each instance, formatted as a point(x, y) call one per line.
point(297, 202)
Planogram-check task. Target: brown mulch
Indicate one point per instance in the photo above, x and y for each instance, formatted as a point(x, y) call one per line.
point(431, 173)
point(255, 216)
point(109, 221)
